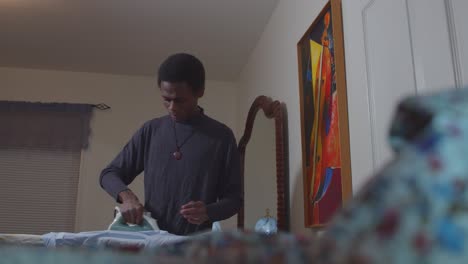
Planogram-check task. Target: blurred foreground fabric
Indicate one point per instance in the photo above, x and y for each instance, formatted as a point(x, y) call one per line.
point(415, 210)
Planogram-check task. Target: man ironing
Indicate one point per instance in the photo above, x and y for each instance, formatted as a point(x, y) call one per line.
point(190, 161)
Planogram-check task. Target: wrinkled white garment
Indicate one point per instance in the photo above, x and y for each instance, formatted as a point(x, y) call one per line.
point(111, 238)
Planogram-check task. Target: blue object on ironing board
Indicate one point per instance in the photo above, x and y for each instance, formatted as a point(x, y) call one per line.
point(119, 224)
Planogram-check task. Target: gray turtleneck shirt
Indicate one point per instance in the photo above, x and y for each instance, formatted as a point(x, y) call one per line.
point(208, 171)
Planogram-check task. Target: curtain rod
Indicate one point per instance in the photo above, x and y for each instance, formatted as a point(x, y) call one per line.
point(101, 106)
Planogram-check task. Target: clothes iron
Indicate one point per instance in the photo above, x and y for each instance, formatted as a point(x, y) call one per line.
point(119, 224)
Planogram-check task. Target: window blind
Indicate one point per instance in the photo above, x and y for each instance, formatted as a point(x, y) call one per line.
point(38, 189)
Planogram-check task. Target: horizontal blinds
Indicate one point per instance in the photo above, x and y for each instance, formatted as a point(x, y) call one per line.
point(38, 189)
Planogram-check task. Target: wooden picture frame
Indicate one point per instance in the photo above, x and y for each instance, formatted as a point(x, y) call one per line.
point(324, 117)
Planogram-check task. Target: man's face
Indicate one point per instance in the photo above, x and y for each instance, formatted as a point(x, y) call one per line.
point(179, 99)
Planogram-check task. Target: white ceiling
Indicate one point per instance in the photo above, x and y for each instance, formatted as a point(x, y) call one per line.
point(130, 37)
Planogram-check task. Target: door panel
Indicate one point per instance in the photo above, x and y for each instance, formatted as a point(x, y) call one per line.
point(394, 49)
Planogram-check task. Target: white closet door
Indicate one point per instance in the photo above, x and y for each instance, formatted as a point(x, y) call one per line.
point(395, 49)
point(430, 35)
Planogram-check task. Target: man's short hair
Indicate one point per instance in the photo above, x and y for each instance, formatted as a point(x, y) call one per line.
point(183, 67)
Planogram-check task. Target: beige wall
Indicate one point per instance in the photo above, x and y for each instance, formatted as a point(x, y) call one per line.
point(133, 100)
point(272, 71)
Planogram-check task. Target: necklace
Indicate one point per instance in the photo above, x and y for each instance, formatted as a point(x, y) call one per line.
point(177, 154)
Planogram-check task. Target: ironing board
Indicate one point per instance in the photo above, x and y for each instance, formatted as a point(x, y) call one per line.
point(94, 239)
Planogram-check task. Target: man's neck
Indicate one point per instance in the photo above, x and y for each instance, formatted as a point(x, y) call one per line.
point(196, 114)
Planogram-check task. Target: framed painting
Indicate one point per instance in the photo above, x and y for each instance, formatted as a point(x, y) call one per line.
point(324, 117)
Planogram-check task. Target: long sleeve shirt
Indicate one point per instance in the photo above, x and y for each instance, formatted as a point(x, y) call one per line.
point(208, 171)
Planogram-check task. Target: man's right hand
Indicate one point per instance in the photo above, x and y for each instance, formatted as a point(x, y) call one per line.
point(131, 208)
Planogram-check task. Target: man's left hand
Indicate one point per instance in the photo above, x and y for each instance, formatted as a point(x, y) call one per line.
point(194, 212)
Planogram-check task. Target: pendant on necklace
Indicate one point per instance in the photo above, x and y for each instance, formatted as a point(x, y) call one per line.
point(177, 155)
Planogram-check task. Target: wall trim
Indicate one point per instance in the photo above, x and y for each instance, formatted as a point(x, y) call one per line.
point(454, 44)
point(370, 94)
point(410, 31)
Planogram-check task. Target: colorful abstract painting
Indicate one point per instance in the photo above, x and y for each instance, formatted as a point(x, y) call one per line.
point(325, 188)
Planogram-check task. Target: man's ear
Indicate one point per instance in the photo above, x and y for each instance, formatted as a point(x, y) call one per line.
point(200, 92)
